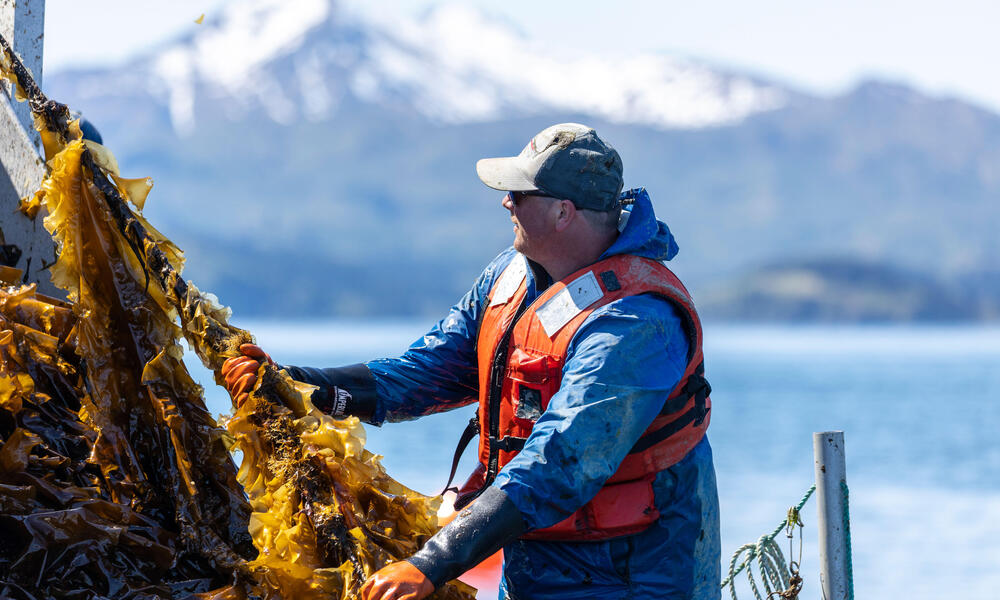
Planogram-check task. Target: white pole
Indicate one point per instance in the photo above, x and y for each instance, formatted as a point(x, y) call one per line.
point(22, 22)
point(24, 243)
point(834, 529)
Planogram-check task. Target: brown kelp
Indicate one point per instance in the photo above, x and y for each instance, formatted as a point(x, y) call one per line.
point(111, 484)
point(114, 480)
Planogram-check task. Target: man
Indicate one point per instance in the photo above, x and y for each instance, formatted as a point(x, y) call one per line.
point(584, 352)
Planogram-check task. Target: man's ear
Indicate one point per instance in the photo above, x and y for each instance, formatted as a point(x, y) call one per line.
point(565, 215)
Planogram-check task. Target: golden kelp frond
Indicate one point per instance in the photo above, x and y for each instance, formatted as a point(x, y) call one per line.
point(323, 514)
point(100, 507)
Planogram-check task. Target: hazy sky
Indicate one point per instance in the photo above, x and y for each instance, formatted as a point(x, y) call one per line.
point(821, 47)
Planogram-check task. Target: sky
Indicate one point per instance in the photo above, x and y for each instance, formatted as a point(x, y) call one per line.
point(820, 47)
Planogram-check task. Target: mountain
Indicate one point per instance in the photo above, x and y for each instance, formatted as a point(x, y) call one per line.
point(299, 61)
point(314, 162)
point(837, 290)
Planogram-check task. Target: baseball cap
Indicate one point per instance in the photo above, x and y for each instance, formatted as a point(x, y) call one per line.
point(567, 161)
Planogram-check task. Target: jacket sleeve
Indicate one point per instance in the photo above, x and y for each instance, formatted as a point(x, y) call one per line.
point(620, 367)
point(438, 372)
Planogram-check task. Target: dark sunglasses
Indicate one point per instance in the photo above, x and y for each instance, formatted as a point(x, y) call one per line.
point(516, 197)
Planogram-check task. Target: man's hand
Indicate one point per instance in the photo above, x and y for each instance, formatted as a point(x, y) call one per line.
point(240, 372)
point(397, 581)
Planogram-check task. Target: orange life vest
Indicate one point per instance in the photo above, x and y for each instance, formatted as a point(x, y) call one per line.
point(521, 353)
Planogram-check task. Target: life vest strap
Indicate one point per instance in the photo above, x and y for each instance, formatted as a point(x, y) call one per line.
point(651, 439)
point(508, 443)
point(695, 385)
point(698, 387)
point(471, 431)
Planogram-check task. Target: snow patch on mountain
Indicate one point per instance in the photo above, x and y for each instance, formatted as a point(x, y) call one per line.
point(461, 66)
point(231, 54)
point(298, 59)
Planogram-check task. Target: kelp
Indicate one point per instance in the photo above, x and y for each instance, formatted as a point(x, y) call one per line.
point(109, 487)
point(115, 482)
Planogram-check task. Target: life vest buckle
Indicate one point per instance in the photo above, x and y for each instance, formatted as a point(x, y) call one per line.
point(508, 443)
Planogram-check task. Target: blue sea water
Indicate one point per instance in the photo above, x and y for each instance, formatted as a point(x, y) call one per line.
point(919, 405)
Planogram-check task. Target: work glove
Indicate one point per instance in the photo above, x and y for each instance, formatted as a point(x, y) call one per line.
point(397, 581)
point(475, 534)
point(343, 391)
point(240, 372)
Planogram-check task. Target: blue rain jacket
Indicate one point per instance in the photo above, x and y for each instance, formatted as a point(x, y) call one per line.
point(621, 365)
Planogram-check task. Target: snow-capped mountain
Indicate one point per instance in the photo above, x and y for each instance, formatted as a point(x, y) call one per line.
point(298, 60)
point(319, 162)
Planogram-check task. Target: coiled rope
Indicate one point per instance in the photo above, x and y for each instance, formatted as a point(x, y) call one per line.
point(770, 560)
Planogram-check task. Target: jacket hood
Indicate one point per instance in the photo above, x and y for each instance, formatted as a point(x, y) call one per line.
point(643, 235)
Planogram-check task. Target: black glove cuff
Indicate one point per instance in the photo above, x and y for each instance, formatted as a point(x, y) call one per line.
point(477, 532)
point(342, 391)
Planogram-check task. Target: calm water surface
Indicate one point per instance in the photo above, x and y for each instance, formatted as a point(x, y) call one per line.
point(920, 408)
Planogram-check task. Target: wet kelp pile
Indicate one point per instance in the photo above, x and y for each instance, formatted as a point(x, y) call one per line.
point(115, 482)
point(108, 485)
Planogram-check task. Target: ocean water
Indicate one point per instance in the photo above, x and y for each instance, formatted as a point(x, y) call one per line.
point(919, 405)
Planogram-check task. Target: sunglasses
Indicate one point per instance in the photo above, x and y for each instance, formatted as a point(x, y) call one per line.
point(516, 197)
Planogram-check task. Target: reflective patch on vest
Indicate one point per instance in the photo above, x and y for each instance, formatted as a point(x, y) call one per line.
point(510, 280)
point(569, 302)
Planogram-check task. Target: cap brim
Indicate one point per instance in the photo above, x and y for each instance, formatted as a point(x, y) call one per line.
point(504, 174)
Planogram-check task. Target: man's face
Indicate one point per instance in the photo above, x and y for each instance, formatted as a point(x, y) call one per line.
point(533, 222)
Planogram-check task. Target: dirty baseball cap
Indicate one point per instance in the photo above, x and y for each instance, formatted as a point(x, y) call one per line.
point(567, 161)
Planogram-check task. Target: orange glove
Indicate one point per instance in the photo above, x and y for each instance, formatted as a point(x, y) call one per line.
point(397, 581)
point(240, 372)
